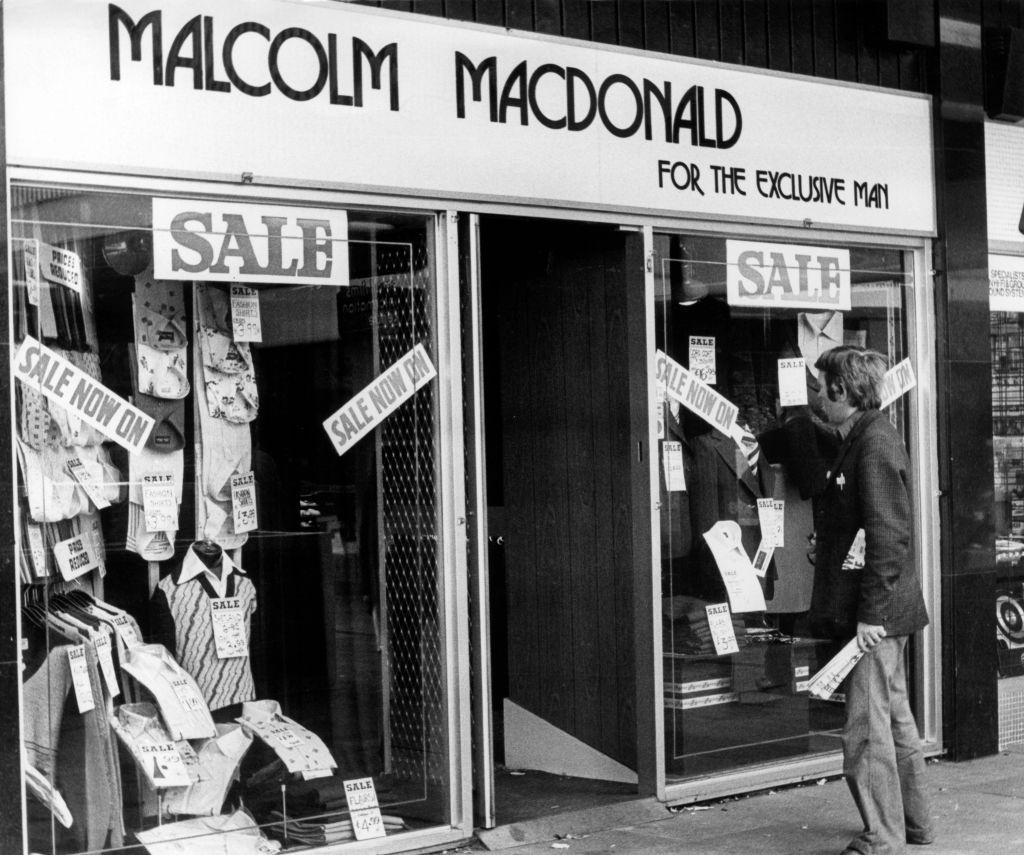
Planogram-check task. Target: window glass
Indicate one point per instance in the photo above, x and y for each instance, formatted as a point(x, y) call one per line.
point(1007, 337)
point(228, 540)
point(747, 703)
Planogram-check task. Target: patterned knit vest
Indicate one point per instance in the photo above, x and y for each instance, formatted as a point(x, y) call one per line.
point(222, 681)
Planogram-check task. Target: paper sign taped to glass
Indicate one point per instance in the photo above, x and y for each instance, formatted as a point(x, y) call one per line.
point(46, 371)
point(823, 684)
point(897, 381)
point(694, 394)
point(380, 399)
point(725, 540)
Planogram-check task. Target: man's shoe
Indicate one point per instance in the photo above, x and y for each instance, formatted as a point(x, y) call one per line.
point(921, 839)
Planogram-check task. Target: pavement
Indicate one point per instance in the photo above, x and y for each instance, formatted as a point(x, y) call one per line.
point(978, 808)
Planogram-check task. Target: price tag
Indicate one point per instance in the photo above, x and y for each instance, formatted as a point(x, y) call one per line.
point(61, 266)
point(187, 695)
point(284, 736)
point(85, 476)
point(367, 824)
point(722, 634)
point(245, 314)
point(30, 250)
point(102, 645)
point(792, 382)
point(75, 556)
point(163, 765)
point(123, 627)
point(36, 549)
point(80, 678)
point(243, 502)
point(229, 635)
point(159, 502)
point(702, 358)
point(771, 515)
point(672, 462)
point(364, 809)
point(659, 418)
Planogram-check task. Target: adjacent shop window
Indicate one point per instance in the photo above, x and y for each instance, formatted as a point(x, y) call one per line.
point(1007, 339)
point(741, 466)
point(228, 545)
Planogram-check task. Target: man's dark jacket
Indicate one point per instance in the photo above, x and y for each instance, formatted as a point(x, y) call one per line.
point(868, 487)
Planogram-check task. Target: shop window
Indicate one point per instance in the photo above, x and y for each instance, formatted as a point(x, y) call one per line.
point(1007, 339)
point(737, 665)
point(228, 543)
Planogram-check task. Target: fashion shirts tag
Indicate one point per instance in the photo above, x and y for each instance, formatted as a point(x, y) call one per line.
point(702, 358)
point(163, 765)
point(75, 556)
point(722, 634)
point(659, 418)
point(187, 695)
point(792, 382)
point(229, 633)
point(243, 502)
point(159, 502)
point(245, 314)
point(725, 540)
point(78, 470)
point(672, 461)
point(102, 645)
point(361, 796)
point(123, 627)
point(80, 678)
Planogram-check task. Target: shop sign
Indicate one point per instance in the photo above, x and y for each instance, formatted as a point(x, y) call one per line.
point(1005, 283)
point(323, 93)
point(787, 276)
point(51, 374)
point(1004, 188)
point(380, 399)
point(239, 242)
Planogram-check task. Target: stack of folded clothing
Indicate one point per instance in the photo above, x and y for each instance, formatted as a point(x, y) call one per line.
point(330, 828)
point(686, 628)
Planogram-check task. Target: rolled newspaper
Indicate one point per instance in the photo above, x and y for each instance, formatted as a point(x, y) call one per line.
point(827, 680)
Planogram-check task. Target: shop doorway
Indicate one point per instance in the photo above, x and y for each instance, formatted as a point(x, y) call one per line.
point(558, 468)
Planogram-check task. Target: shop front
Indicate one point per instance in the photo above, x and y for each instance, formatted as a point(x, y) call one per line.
point(1006, 283)
point(380, 386)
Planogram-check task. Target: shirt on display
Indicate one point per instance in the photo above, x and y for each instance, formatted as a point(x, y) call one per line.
point(218, 761)
point(231, 834)
point(205, 618)
point(299, 749)
point(164, 762)
point(182, 706)
point(818, 333)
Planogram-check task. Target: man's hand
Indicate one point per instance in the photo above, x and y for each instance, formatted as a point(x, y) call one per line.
point(868, 635)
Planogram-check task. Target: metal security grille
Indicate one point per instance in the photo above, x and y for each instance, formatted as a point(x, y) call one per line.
point(408, 537)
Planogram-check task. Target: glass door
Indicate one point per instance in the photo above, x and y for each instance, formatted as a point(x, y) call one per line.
point(738, 455)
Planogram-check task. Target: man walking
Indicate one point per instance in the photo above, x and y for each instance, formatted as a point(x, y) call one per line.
point(878, 600)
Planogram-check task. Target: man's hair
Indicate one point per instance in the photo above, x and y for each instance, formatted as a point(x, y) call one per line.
point(859, 370)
